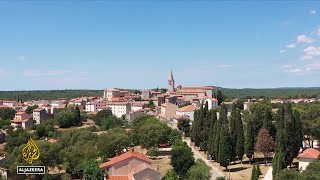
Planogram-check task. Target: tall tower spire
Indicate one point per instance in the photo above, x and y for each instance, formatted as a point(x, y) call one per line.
point(171, 82)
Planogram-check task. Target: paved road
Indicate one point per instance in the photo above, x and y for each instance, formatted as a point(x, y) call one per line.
point(215, 172)
point(268, 175)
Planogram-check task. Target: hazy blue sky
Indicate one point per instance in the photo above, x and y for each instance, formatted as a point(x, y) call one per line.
point(134, 44)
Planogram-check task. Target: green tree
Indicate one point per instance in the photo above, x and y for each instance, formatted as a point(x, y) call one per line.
point(153, 134)
point(286, 175)
point(219, 97)
point(184, 125)
point(117, 141)
point(44, 129)
point(254, 173)
point(7, 113)
point(225, 147)
point(16, 138)
point(199, 171)
point(181, 159)
point(68, 117)
point(278, 163)
point(197, 127)
point(30, 109)
point(174, 136)
point(92, 171)
point(249, 146)
point(170, 175)
point(240, 140)
point(153, 152)
point(101, 115)
point(111, 122)
point(258, 169)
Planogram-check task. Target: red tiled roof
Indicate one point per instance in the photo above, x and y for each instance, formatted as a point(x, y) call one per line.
point(177, 116)
point(138, 104)
point(20, 113)
point(52, 140)
point(19, 121)
point(123, 157)
point(104, 107)
point(190, 92)
point(3, 106)
point(214, 99)
point(118, 178)
point(115, 103)
point(37, 110)
point(188, 108)
point(142, 167)
point(197, 87)
point(310, 153)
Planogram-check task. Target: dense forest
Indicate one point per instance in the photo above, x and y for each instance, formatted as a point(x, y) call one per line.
point(312, 92)
point(232, 93)
point(47, 94)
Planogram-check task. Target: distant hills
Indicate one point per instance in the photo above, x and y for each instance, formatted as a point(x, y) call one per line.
point(308, 92)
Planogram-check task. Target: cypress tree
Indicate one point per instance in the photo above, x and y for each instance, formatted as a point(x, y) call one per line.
point(258, 169)
point(225, 147)
point(196, 127)
point(253, 173)
point(211, 134)
point(217, 129)
point(249, 148)
point(233, 130)
point(297, 133)
point(278, 163)
point(219, 97)
point(267, 119)
point(239, 152)
point(205, 127)
point(289, 134)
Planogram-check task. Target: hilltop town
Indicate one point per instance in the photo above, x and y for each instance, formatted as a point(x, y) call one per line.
point(181, 132)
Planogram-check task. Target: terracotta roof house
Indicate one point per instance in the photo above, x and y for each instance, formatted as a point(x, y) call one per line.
point(308, 156)
point(21, 120)
point(130, 166)
point(187, 111)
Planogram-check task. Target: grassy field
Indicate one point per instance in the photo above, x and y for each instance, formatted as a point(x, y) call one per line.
point(163, 162)
point(242, 171)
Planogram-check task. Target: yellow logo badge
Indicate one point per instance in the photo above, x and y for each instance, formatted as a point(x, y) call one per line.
point(30, 152)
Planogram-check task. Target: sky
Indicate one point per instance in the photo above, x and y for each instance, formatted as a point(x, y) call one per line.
point(134, 44)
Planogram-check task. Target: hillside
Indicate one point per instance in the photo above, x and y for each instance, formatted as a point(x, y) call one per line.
point(273, 93)
point(240, 93)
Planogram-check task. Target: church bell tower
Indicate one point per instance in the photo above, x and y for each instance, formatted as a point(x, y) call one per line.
point(171, 82)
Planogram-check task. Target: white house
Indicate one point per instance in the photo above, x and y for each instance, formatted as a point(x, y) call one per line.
point(137, 106)
point(186, 111)
point(308, 156)
point(93, 106)
point(212, 103)
point(119, 108)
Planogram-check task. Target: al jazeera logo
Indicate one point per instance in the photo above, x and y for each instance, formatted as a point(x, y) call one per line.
point(30, 154)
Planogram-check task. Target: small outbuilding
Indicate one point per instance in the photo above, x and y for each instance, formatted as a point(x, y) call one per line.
point(307, 156)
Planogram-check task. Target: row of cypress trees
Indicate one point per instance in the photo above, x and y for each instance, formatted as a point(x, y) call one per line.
point(223, 139)
point(289, 137)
